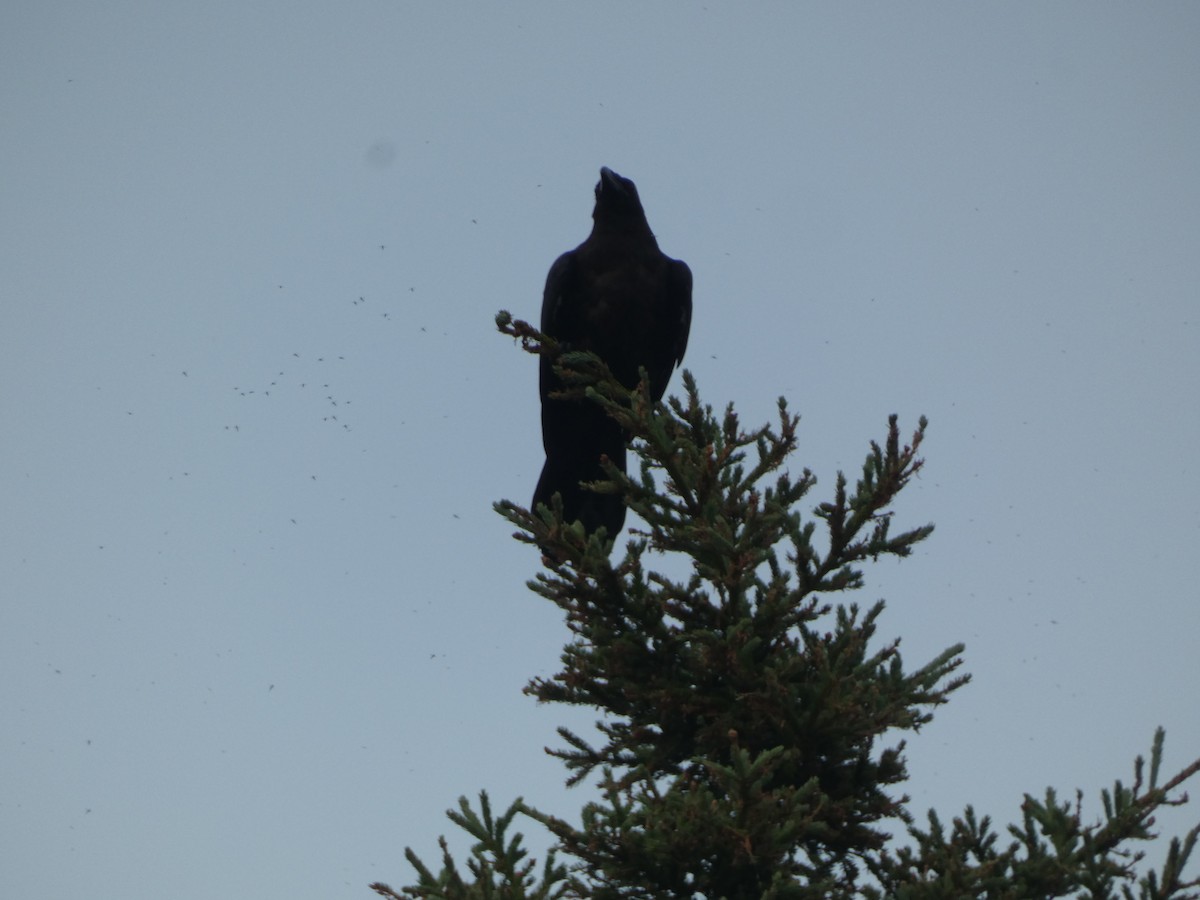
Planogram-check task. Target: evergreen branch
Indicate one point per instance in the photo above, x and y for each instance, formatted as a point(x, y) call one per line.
point(497, 864)
point(1053, 854)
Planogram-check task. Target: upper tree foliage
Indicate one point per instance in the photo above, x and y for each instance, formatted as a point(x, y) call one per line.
point(750, 744)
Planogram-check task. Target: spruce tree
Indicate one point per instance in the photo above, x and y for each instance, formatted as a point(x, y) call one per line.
point(749, 744)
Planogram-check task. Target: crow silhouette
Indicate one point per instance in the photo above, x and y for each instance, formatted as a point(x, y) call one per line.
point(620, 297)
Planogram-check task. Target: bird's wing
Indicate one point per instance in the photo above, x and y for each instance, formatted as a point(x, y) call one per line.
point(672, 319)
point(558, 316)
point(557, 284)
point(679, 306)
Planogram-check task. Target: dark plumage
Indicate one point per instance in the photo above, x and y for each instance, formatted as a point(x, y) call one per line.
point(619, 296)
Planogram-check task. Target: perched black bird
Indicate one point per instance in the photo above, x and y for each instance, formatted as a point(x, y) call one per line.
point(620, 297)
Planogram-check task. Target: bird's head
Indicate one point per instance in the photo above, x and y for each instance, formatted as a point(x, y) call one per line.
point(616, 198)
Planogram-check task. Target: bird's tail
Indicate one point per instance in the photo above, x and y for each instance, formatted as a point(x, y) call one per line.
point(562, 475)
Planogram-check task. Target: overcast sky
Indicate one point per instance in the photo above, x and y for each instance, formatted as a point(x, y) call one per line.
point(259, 625)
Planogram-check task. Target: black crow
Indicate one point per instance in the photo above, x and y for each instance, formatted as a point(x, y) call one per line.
point(620, 297)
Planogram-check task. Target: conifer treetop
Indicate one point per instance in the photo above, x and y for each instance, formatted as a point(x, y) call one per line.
point(749, 734)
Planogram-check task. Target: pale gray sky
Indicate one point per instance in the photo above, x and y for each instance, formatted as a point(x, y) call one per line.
point(259, 626)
